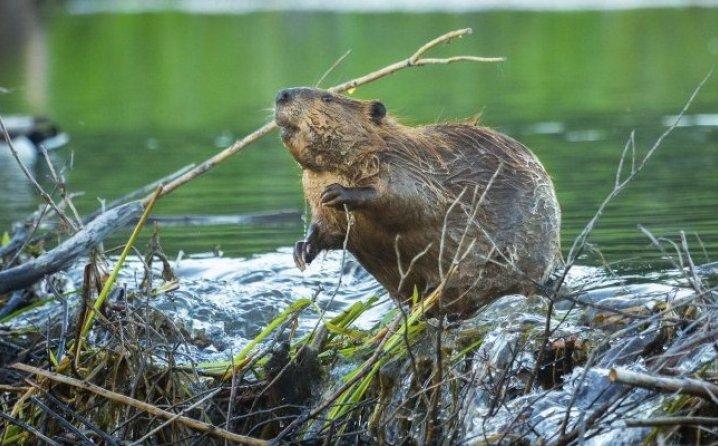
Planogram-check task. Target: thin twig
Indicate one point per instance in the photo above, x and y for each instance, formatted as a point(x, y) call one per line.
point(635, 170)
point(149, 408)
point(687, 386)
point(27, 427)
point(414, 60)
point(177, 415)
point(333, 67)
point(82, 438)
point(45, 196)
point(672, 421)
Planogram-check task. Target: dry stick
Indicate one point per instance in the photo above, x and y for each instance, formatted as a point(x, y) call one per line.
point(81, 438)
point(569, 437)
point(45, 196)
point(673, 421)
point(334, 65)
point(28, 236)
point(10, 388)
point(61, 185)
point(62, 406)
point(177, 415)
point(58, 258)
point(144, 190)
point(149, 408)
point(27, 427)
point(688, 386)
point(432, 416)
point(619, 185)
point(232, 395)
point(415, 60)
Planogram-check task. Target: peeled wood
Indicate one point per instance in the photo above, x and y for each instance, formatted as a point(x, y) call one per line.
point(64, 254)
point(146, 407)
point(688, 386)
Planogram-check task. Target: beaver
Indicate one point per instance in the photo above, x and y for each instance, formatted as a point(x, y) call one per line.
point(455, 204)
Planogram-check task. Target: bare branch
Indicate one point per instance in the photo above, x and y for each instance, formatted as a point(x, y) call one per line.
point(146, 407)
point(414, 60)
point(44, 195)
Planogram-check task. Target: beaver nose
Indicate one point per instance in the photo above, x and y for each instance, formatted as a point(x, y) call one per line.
point(284, 96)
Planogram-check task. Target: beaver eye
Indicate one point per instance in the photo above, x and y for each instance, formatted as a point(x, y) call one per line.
point(327, 98)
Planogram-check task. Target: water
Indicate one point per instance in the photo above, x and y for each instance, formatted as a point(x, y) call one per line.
point(222, 303)
point(142, 95)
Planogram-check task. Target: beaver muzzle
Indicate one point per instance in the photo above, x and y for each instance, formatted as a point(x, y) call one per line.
point(283, 112)
point(284, 123)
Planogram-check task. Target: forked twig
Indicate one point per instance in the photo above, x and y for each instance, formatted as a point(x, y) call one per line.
point(621, 184)
point(45, 196)
point(415, 60)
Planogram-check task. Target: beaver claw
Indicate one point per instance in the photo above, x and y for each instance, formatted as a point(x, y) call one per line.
point(336, 195)
point(303, 254)
point(307, 250)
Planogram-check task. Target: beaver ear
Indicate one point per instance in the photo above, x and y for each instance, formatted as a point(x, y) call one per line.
point(377, 111)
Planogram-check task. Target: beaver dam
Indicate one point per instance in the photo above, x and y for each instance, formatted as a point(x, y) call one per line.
point(107, 342)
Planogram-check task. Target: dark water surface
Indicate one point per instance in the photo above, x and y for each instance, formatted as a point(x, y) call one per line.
point(142, 95)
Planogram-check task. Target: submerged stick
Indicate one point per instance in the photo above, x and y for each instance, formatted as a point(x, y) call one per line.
point(141, 405)
point(56, 259)
point(415, 60)
point(688, 386)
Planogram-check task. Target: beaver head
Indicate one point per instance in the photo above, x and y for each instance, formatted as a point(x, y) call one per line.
point(328, 131)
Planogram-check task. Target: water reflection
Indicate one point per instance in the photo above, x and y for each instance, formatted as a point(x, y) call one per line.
point(144, 94)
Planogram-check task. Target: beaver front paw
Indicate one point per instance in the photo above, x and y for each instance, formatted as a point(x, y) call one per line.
point(336, 195)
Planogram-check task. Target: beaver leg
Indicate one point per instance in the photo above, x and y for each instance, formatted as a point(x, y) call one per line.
point(317, 240)
point(336, 195)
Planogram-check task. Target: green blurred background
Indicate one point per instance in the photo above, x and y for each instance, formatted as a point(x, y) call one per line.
point(143, 94)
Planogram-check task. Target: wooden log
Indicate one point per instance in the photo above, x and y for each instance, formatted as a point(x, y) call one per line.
point(688, 386)
point(66, 252)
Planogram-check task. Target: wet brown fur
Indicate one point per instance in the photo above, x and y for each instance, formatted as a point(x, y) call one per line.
point(447, 188)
